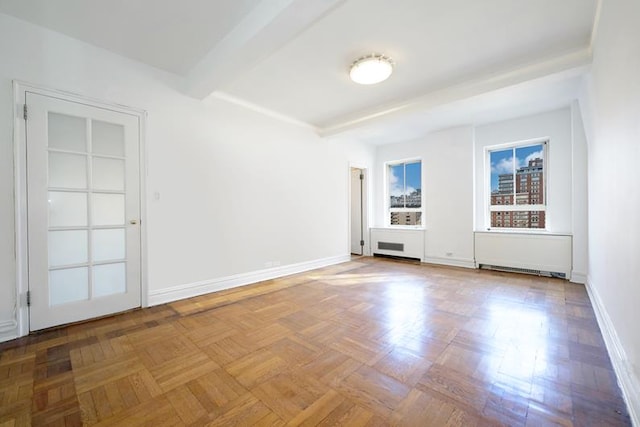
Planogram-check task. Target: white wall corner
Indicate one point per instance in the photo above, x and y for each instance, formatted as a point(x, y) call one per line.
point(578, 277)
point(194, 289)
point(628, 381)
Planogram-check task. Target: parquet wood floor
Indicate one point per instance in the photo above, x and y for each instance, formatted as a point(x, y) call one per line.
point(365, 343)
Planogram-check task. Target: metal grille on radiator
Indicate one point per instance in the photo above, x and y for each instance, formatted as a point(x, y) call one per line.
point(388, 246)
point(522, 270)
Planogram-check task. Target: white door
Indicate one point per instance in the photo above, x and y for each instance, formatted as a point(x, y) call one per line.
point(357, 237)
point(83, 211)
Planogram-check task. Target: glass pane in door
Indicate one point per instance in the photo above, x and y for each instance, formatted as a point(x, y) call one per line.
point(68, 285)
point(107, 138)
point(109, 279)
point(108, 209)
point(108, 174)
point(67, 170)
point(67, 247)
point(67, 132)
point(108, 244)
point(67, 209)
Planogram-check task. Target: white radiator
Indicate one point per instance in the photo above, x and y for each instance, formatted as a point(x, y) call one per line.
point(406, 243)
point(532, 253)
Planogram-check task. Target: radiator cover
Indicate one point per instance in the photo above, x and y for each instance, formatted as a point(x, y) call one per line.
point(525, 252)
point(398, 242)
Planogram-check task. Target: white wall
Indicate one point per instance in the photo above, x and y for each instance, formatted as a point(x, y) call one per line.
point(238, 190)
point(611, 108)
point(447, 159)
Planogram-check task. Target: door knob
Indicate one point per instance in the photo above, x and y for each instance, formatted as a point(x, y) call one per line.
point(133, 221)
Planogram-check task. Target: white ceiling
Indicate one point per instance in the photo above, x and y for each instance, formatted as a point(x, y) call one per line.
point(167, 34)
point(457, 61)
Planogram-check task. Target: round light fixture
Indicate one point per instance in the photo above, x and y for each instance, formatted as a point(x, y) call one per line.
point(371, 69)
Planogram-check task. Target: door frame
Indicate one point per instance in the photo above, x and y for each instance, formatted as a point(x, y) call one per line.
point(20, 189)
point(366, 250)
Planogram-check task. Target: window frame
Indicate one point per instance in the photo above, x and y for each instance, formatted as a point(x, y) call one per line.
point(540, 207)
point(387, 193)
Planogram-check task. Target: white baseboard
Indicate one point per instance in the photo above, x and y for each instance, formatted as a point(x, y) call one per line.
point(578, 277)
point(629, 382)
point(8, 330)
point(453, 262)
point(189, 290)
point(8, 336)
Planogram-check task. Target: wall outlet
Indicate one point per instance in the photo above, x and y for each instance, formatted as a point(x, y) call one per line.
point(449, 253)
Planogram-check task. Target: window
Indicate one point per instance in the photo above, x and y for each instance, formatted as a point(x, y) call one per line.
point(404, 188)
point(517, 178)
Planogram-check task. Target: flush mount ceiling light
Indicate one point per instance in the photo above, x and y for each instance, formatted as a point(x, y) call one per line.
point(371, 69)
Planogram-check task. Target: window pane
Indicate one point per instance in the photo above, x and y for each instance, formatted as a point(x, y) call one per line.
point(396, 186)
point(502, 168)
point(518, 219)
point(413, 187)
point(517, 178)
point(529, 181)
point(405, 193)
point(405, 218)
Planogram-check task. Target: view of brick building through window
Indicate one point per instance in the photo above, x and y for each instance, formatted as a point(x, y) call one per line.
point(526, 189)
point(406, 218)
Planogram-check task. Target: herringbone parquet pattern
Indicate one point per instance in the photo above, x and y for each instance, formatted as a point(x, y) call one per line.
point(369, 342)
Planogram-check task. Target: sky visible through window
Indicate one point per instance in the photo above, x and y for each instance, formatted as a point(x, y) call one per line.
point(413, 171)
point(502, 161)
point(404, 180)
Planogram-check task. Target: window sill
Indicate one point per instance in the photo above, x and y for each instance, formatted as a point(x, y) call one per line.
point(522, 231)
point(400, 227)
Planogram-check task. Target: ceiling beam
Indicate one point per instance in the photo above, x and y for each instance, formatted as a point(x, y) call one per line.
point(267, 28)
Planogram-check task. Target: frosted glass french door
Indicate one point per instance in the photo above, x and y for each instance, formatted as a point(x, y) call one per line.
point(83, 211)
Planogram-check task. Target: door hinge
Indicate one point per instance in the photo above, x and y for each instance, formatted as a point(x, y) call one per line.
point(24, 111)
point(28, 298)
point(361, 242)
point(361, 175)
